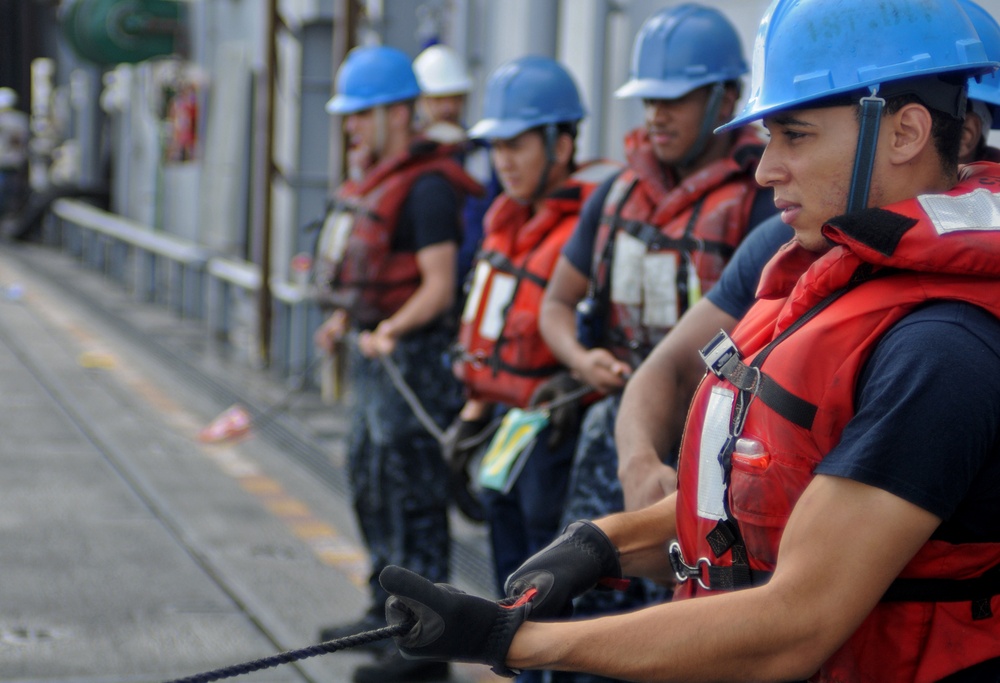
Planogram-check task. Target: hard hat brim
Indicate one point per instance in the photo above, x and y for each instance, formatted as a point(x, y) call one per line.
point(755, 111)
point(345, 104)
point(654, 89)
point(499, 129)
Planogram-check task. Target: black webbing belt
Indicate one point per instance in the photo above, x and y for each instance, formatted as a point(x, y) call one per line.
point(796, 410)
point(500, 262)
point(653, 238)
point(978, 591)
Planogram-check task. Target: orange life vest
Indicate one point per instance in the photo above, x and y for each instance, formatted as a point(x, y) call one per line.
point(661, 244)
point(801, 350)
point(502, 353)
point(357, 267)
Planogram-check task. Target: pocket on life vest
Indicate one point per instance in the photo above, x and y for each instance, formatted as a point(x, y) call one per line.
point(523, 339)
point(763, 490)
point(510, 447)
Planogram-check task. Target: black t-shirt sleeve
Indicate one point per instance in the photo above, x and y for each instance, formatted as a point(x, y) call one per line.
point(927, 420)
point(736, 290)
point(431, 214)
point(579, 248)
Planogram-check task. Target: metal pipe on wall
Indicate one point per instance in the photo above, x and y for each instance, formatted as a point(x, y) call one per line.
point(264, 175)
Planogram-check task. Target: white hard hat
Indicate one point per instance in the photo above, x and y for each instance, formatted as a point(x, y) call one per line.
point(8, 98)
point(441, 71)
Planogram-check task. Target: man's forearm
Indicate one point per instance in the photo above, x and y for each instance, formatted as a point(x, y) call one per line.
point(735, 636)
point(642, 537)
point(557, 323)
point(652, 411)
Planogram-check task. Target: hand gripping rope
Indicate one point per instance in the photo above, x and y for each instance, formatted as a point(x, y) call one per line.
point(290, 656)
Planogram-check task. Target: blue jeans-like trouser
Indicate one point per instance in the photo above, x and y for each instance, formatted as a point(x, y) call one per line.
point(595, 491)
point(399, 480)
point(526, 520)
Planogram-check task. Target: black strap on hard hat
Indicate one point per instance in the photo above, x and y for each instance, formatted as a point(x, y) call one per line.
point(708, 125)
point(864, 158)
point(946, 93)
point(550, 133)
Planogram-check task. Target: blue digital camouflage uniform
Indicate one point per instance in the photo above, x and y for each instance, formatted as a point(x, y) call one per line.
point(399, 480)
point(595, 491)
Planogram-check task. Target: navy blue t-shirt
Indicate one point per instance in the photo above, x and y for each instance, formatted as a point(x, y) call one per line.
point(928, 419)
point(430, 215)
point(927, 426)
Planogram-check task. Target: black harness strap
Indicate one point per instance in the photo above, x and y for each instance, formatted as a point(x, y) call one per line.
point(351, 207)
point(500, 262)
point(657, 241)
point(978, 591)
point(544, 371)
point(747, 378)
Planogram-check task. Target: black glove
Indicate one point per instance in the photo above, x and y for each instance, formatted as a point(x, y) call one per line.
point(564, 416)
point(569, 566)
point(449, 625)
point(458, 455)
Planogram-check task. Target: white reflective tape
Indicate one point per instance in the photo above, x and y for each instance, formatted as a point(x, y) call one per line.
point(626, 269)
point(479, 279)
point(501, 293)
point(659, 289)
point(333, 240)
point(714, 434)
point(977, 210)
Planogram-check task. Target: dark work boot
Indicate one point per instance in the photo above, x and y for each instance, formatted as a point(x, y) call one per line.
point(372, 619)
point(392, 668)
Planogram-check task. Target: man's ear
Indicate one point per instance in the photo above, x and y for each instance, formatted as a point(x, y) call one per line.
point(909, 133)
point(972, 132)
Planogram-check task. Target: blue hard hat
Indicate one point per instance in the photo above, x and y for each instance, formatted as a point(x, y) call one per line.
point(808, 50)
point(986, 88)
point(680, 49)
point(373, 76)
point(526, 93)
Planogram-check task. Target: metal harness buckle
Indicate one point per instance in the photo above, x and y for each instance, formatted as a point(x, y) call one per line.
point(684, 571)
point(718, 352)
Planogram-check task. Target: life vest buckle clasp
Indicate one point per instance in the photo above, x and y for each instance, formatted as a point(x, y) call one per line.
point(717, 353)
point(684, 571)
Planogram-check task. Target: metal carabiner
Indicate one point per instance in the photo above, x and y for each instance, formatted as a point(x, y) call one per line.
point(684, 571)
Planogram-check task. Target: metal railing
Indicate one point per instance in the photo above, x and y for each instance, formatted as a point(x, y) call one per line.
point(189, 278)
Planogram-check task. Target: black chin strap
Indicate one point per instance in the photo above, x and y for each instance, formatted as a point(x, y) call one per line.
point(550, 133)
point(864, 158)
point(708, 125)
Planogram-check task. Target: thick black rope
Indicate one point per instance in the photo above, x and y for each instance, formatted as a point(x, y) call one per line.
point(290, 656)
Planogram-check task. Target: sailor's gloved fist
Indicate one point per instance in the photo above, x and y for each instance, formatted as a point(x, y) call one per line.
point(455, 444)
point(572, 564)
point(449, 625)
point(564, 411)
